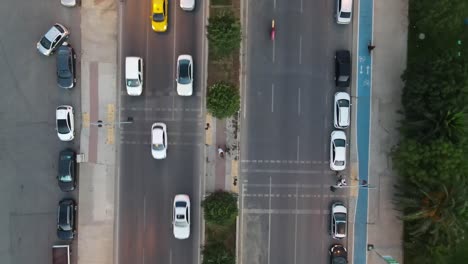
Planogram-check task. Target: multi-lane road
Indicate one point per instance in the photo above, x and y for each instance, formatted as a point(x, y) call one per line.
point(148, 186)
point(287, 120)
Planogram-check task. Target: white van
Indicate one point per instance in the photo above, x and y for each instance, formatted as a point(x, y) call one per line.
point(134, 75)
point(344, 10)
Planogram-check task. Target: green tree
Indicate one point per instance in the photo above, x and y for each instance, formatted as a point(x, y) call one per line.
point(430, 163)
point(223, 100)
point(449, 125)
point(216, 253)
point(434, 215)
point(220, 208)
point(224, 34)
point(437, 84)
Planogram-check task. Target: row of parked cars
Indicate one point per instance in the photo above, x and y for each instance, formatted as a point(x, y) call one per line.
point(55, 41)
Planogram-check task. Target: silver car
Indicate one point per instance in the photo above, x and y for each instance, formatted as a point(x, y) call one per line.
point(53, 39)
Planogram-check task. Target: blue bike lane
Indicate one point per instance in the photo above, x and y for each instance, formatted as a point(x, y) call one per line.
point(363, 95)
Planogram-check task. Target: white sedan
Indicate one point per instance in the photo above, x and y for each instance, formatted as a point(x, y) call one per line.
point(159, 140)
point(187, 5)
point(181, 216)
point(65, 124)
point(68, 3)
point(341, 110)
point(184, 75)
point(338, 150)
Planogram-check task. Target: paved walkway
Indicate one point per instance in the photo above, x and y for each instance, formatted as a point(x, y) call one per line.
point(97, 179)
point(378, 100)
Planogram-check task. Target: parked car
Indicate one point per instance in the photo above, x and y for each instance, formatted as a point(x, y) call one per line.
point(68, 3)
point(338, 150)
point(65, 124)
point(159, 15)
point(134, 75)
point(338, 254)
point(67, 170)
point(344, 10)
point(342, 68)
point(66, 226)
point(159, 140)
point(184, 75)
point(181, 216)
point(187, 5)
point(53, 39)
point(342, 110)
point(339, 215)
point(66, 76)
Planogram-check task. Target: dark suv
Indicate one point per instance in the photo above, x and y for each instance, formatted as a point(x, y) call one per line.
point(342, 68)
point(338, 254)
point(67, 170)
point(66, 226)
point(66, 66)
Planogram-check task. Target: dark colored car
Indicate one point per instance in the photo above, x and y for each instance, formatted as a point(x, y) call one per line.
point(66, 66)
point(342, 68)
point(67, 170)
point(338, 254)
point(66, 226)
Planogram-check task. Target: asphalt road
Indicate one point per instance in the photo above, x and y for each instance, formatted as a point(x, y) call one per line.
point(148, 186)
point(29, 193)
point(287, 121)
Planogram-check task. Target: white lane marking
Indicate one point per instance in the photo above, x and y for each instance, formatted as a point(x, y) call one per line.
point(300, 49)
point(281, 185)
point(272, 96)
point(274, 46)
point(297, 156)
point(274, 4)
point(302, 6)
point(299, 101)
point(242, 223)
point(143, 261)
point(173, 106)
point(269, 224)
point(295, 225)
point(170, 256)
point(144, 213)
point(288, 171)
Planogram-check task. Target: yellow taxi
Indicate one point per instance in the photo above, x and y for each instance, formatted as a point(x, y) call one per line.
point(159, 15)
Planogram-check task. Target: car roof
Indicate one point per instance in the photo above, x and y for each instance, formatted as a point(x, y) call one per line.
point(52, 33)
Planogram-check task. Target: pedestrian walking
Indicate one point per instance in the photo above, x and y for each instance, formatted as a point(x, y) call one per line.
point(207, 126)
point(370, 47)
point(220, 152)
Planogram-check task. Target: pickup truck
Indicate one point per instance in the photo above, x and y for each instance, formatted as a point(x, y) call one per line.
point(61, 254)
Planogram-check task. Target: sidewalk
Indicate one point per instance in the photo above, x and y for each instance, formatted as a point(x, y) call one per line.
point(385, 230)
point(221, 173)
point(98, 102)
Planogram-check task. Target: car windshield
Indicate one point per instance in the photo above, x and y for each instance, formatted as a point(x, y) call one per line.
point(343, 103)
point(45, 43)
point(62, 126)
point(339, 260)
point(340, 143)
point(158, 146)
point(158, 17)
point(133, 82)
point(184, 72)
point(340, 217)
point(341, 228)
point(345, 14)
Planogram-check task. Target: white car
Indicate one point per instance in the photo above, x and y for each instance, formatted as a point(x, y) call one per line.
point(181, 216)
point(159, 140)
point(338, 150)
point(53, 39)
point(344, 10)
point(342, 110)
point(184, 77)
point(65, 123)
point(134, 75)
point(338, 220)
point(187, 5)
point(68, 3)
